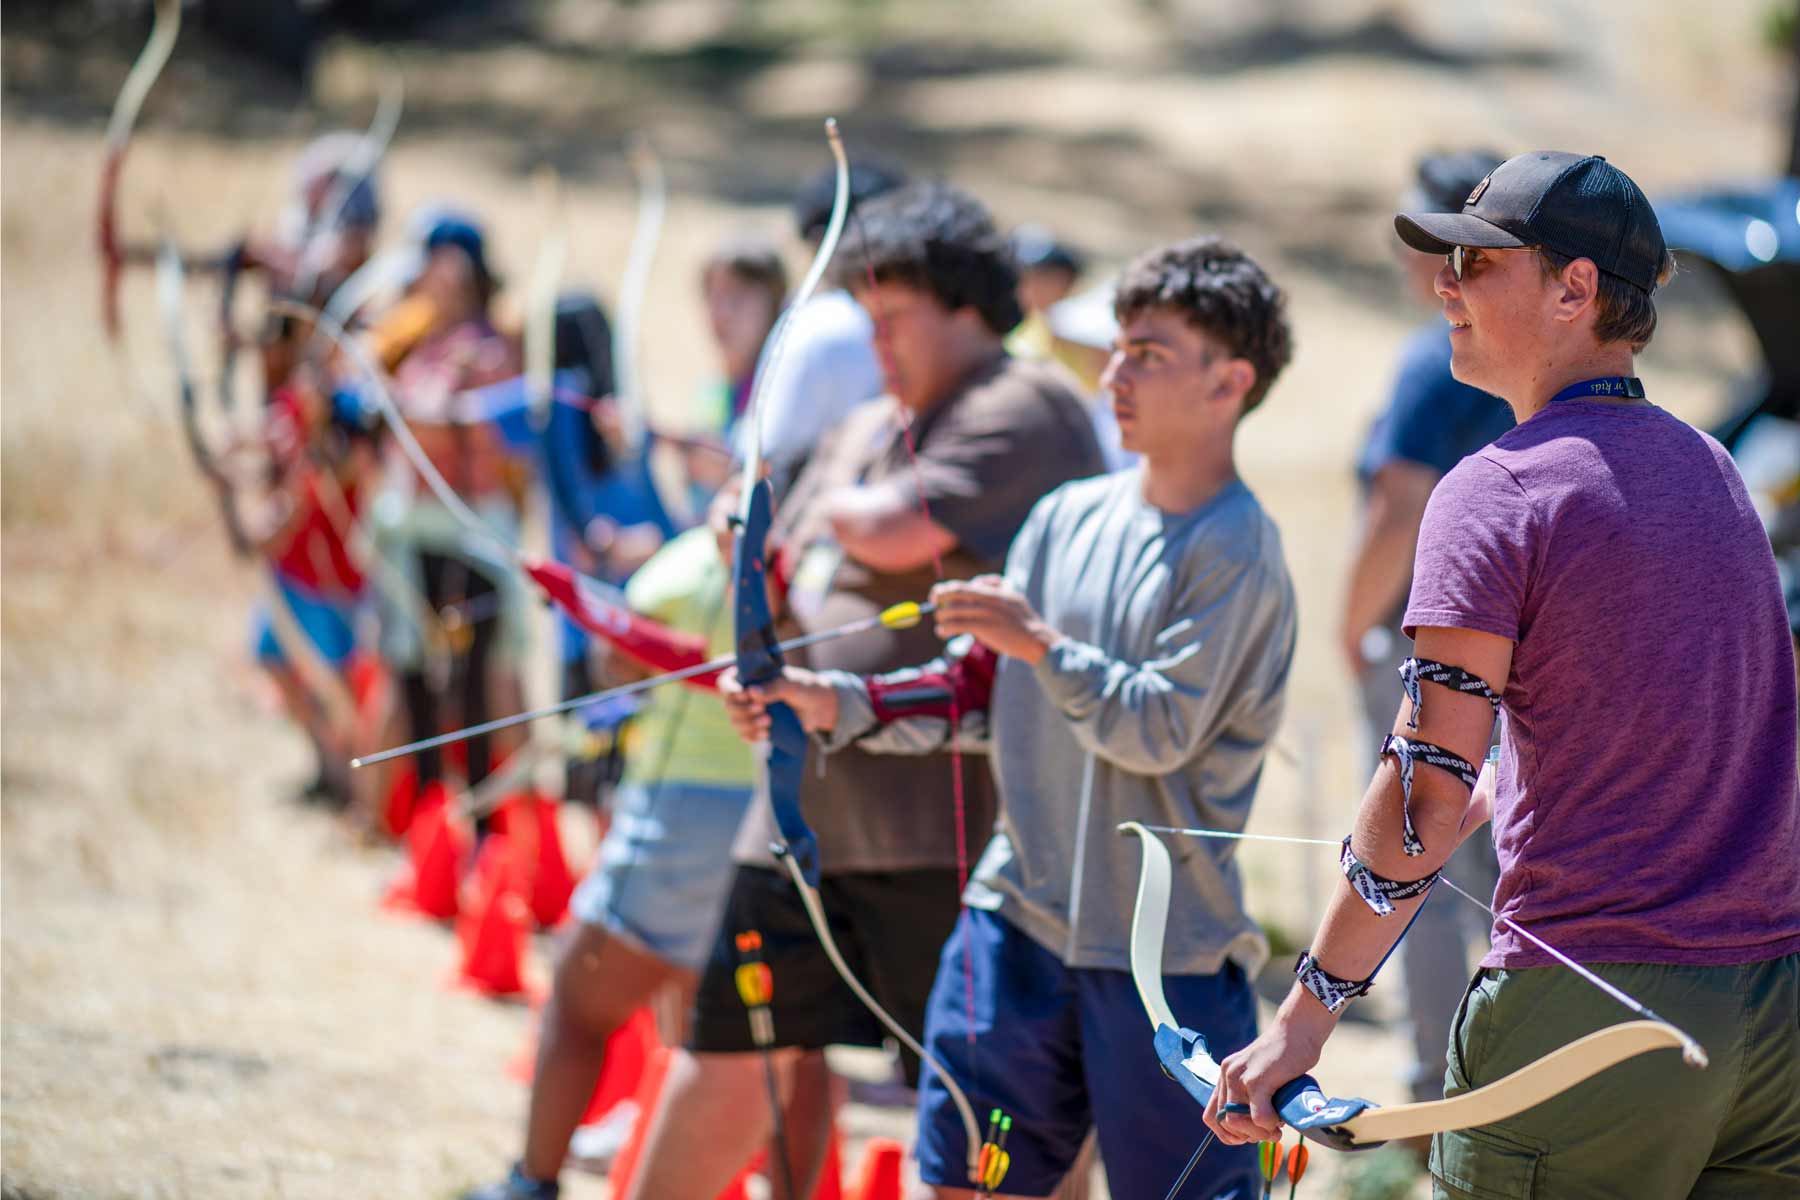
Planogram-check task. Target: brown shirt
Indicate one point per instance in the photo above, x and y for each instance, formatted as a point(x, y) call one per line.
point(1014, 432)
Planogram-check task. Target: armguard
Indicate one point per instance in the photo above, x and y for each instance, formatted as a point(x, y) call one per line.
point(949, 688)
point(1406, 751)
point(1415, 670)
point(1378, 891)
point(1327, 988)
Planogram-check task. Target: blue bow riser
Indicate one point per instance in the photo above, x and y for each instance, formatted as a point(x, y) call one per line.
point(1302, 1103)
point(759, 661)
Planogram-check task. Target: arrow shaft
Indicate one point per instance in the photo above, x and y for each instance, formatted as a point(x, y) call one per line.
point(628, 689)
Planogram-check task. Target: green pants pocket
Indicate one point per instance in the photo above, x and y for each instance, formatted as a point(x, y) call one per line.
point(1471, 1019)
point(1479, 1164)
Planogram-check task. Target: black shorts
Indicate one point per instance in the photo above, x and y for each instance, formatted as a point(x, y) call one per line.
point(891, 927)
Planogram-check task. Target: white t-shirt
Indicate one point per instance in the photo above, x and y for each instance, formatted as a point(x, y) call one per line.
point(827, 367)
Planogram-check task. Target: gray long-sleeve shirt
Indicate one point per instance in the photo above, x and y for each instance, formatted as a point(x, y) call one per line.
point(1156, 705)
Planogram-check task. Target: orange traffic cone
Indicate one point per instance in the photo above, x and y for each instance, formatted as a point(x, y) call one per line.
point(487, 878)
point(649, 1087)
point(522, 1066)
point(628, 1054)
point(551, 881)
point(831, 1178)
point(881, 1173)
point(493, 938)
point(628, 1051)
point(829, 1187)
point(878, 1176)
point(402, 800)
point(738, 1188)
point(435, 850)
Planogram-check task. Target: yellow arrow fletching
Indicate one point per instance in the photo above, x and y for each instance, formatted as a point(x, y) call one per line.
point(755, 984)
point(902, 616)
point(996, 1169)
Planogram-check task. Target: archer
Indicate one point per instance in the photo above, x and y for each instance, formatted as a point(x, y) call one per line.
point(1598, 576)
point(1132, 662)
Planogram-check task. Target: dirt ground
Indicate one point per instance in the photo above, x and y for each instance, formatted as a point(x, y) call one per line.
point(199, 995)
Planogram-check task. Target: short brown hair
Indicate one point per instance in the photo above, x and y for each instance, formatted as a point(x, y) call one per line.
point(1222, 292)
point(1626, 312)
point(755, 261)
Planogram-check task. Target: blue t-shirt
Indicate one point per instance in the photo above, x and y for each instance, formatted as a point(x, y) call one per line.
point(627, 493)
point(1431, 419)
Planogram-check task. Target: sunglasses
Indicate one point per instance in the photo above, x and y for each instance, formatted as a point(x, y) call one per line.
point(1458, 258)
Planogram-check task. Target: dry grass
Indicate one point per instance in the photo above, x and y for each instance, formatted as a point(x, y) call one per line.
point(199, 997)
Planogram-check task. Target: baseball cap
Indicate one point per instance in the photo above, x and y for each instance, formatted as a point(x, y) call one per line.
point(464, 232)
point(1035, 246)
point(1580, 206)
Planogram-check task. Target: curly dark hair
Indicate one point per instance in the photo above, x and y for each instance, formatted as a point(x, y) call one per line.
point(939, 239)
point(1222, 292)
point(812, 204)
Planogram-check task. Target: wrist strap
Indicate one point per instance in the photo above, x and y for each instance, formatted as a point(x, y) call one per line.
point(1408, 750)
point(1414, 670)
point(1378, 891)
point(1327, 988)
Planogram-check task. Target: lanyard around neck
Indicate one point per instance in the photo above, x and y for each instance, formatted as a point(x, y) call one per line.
point(1624, 387)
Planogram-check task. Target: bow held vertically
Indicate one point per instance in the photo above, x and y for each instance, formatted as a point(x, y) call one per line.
point(1357, 1124)
point(782, 757)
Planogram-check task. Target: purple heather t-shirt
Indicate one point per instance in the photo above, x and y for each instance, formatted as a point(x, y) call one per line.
point(1647, 808)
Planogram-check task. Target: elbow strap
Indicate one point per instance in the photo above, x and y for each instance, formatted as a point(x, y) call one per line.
point(1379, 892)
point(1413, 671)
point(1327, 988)
point(1407, 751)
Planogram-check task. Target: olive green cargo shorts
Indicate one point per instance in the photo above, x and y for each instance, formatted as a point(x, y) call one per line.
point(1650, 1127)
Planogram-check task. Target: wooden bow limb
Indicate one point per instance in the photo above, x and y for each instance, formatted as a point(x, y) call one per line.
point(319, 678)
point(1357, 1124)
point(371, 148)
point(540, 306)
point(166, 26)
point(634, 288)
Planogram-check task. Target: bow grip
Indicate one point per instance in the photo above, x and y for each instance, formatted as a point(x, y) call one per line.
point(759, 661)
point(1301, 1103)
point(786, 763)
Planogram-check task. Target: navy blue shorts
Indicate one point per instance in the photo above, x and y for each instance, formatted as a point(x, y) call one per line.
point(1064, 1050)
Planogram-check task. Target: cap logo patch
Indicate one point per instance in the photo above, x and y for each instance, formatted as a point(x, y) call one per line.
point(1479, 188)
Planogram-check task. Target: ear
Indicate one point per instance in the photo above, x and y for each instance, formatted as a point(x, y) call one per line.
point(970, 318)
point(1235, 379)
point(1576, 291)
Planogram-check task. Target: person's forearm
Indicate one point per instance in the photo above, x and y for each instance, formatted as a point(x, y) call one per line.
point(1382, 562)
point(884, 527)
point(1352, 940)
point(892, 542)
point(1378, 577)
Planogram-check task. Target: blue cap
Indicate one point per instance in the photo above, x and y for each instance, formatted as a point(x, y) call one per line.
point(463, 234)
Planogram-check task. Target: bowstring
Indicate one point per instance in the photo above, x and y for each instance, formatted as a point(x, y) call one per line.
point(1691, 1050)
point(1191, 1164)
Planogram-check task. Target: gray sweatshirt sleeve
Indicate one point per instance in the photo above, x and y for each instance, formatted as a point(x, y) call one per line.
point(1159, 715)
